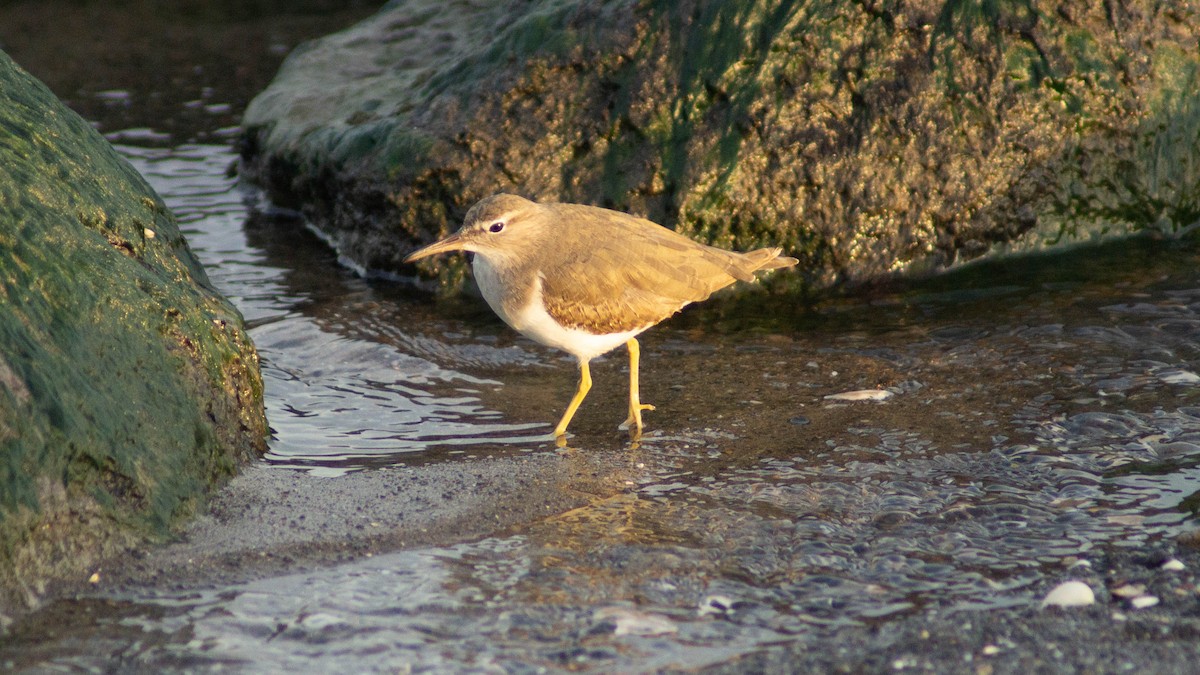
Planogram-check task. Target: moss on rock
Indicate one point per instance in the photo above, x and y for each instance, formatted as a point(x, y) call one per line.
point(868, 138)
point(128, 386)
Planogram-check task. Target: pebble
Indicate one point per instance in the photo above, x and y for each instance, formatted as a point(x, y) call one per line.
point(1143, 601)
point(1070, 594)
point(1176, 376)
point(716, 604)
point(1172, 565)
point(633, 622)
point(861, 395)
point(1129, 590)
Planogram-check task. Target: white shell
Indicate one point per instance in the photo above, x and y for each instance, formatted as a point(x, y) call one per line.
point(1129, 590)
point(861, 395)
point(1177, 376)
point(1143, 601)
point(632, 622)
point(1070, 594)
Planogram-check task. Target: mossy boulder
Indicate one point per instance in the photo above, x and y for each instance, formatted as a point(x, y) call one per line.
point(128, 386)
point(868, 138)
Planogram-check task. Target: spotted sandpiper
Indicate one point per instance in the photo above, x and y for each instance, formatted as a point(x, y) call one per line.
point(586, 279)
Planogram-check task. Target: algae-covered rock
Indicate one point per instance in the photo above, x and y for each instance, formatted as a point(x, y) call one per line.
point(868, 138)
point(128, 386)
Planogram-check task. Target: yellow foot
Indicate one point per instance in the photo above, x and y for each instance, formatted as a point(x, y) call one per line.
point(635, 416)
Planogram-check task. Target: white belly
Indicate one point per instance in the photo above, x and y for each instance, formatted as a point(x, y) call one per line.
point(534, 322)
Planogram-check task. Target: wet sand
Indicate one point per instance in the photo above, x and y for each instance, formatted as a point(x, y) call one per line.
point(711, 391)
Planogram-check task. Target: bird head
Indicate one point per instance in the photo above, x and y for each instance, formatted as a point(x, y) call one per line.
point(499, 228)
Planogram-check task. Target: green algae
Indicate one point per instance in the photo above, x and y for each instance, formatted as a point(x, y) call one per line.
point(127, 385)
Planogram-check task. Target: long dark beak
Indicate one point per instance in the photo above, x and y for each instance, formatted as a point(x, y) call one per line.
point(452, 243)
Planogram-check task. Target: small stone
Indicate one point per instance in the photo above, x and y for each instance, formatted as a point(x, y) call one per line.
point(148, 232)
point(716, 604)
point(632, 622)
point(1131, 519)
point(990, 650)
point(95, 578)
point(1172, 565)
point(1177, 376)
point(1143, 601)
point(1129, 590)
point(1070, 594)
point(861, 395)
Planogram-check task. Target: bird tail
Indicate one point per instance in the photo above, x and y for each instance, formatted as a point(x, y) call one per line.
point(769, 259)
point(775, 261)
point(743, 265)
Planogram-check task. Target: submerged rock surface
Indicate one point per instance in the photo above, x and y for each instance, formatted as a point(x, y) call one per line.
point(128, 386)
point(866, 138)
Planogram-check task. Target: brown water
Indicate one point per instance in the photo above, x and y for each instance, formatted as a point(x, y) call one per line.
point(1039, 412)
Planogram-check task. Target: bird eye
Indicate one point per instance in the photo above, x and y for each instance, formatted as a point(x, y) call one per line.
point(496, 227)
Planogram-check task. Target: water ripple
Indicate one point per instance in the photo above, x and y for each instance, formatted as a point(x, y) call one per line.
point(1028, 431)
point(351, 379)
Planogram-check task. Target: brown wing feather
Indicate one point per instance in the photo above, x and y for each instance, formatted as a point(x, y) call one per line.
point(626, 273)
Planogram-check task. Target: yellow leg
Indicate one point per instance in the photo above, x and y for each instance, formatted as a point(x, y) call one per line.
point(585, 384)
point(635, 405)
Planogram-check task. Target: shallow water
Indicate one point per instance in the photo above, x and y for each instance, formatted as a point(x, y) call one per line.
point(1040, 412)
point(352, 373)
